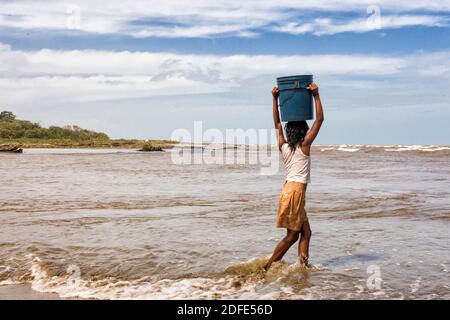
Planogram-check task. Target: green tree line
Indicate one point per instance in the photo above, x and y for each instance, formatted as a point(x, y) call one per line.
point(12, 128)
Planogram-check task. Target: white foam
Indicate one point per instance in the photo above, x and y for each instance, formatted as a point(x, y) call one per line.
point(426, 148)
point(348, 149)
point(342, 147)
point(9, 282)
point(327, 149)
point(226, 287)
point(389, 148)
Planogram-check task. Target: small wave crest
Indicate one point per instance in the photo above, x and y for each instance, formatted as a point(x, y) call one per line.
point(245, 280)
point(377, 148)
point(343, 147)
point(426, 148)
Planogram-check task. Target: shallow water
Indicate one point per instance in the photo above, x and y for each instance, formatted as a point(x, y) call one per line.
point(118, 224)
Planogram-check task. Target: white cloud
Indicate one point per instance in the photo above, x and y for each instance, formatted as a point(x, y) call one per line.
point(329, 26)
point(178, 18)
point(201, 66)
point(57, 77)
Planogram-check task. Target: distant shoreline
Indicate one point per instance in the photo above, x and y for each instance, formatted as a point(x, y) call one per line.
point(16, 133)
point(92, 144)
point(169, 144)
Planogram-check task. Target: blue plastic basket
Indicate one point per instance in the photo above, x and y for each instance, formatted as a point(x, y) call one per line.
point(295, 100)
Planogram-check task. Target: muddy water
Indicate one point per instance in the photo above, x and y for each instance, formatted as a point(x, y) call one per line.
point(117, 224)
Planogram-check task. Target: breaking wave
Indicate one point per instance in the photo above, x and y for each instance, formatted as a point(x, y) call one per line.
point(245, 280)
point(377, 148)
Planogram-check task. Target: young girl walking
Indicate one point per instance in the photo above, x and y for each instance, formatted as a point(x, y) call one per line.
point(295, 151)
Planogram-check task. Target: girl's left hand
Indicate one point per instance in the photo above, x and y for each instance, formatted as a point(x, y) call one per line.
point(313, 88)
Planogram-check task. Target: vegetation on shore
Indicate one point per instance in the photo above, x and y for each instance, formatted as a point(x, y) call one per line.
point(147, 147)
point(29, 134)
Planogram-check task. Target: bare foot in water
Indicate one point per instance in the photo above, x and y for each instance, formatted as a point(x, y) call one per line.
point(304, 262)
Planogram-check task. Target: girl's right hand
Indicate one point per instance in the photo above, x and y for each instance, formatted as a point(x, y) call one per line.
point(275, 92)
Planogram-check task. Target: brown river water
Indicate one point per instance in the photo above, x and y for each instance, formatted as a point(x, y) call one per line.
point(118, 224)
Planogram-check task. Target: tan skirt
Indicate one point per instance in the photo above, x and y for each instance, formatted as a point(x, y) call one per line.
point(291, 209)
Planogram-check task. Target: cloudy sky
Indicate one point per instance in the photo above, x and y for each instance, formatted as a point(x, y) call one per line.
point(141, 69)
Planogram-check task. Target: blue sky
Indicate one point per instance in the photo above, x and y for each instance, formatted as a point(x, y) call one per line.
point(141, 69)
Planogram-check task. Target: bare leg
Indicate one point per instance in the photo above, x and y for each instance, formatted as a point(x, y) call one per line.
point(282, 247)
point(303, 246)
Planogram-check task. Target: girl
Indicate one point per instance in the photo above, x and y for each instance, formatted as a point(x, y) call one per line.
point(295, 151)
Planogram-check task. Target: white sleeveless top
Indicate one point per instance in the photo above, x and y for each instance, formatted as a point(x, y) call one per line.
point(297, 164)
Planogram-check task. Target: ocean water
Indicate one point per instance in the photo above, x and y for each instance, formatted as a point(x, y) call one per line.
point(118, 224)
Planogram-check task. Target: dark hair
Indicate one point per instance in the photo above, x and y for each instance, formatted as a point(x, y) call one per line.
point(295, 133)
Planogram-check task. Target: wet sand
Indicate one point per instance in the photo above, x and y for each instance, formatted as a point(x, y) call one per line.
point(24, 292)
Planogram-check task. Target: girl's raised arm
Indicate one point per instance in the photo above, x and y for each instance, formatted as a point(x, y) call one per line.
point(312, 134)
point(276, 117)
